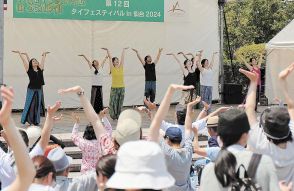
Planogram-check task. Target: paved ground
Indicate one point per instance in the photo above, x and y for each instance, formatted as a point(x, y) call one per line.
point(66, 124)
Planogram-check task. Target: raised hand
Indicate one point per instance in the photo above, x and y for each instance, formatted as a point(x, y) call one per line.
point(75, 117)
point(160, 49)
point(206, 105)
point(193, 103)
point(135, 50)
point(51, 110)
point(105, 49)
point(16, 51)
point(74, 89)
point(45, 53)
point(149, 104)
point(8, 97)
point(180, 87)
point(252, 76)
point(103, 112)
point(223, 109)
point(284, 73)
point(57, 118)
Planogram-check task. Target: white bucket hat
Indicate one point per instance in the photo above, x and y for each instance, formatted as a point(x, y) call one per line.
point(128, 127)
point(33, 132)
point(59, 159)
point(140, 165)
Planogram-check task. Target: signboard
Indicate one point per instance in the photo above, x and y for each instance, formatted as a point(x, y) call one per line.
point(106, 10)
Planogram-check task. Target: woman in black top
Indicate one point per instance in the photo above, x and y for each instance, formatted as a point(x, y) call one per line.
point(150, 74)
point(34, 105)
point(190, 78)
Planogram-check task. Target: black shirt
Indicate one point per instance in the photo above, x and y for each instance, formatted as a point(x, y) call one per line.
point(36, 78)
point(197, 71)
point(190, 79)
point(150, 74)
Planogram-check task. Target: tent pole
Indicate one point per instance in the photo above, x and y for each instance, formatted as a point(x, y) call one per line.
point(221, 4)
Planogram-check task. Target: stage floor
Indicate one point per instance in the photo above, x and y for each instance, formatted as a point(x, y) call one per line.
point(66, 124)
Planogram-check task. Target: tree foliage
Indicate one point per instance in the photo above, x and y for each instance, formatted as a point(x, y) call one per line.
point(255, 21)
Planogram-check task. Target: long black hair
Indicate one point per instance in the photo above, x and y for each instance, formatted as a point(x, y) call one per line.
point(225, 164)
point(31, 64)
point(203, 62)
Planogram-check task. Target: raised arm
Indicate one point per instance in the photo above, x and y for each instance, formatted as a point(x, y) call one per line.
point(162, 111)
point(24, 61)
point(27, 56)
point(43, 60)
point(185, 73)
point(122, 58)
point(197, 149)
point(87, 60)
point(109, 57)
point(212, 60)
point(245, 62)
point(158, 56)
point(103, 61)
point(283, 80)
point(26, 169)
point(251, 96)
point(197, 61)
point(189, 114)
point(48, 125)
point(89, 111)
point(184, 55)
point(139, 57)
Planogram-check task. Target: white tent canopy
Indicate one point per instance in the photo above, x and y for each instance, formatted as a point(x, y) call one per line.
point(194, 29)
point(280, 53)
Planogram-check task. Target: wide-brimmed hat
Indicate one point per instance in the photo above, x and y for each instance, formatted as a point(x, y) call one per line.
point(140, 165)
point(128, 127)
point(275, 122)
point(212, 121)
point(34, 133)
point(59, 159)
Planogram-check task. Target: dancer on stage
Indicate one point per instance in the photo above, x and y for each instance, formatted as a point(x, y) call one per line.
point(97, 82)
point(254, 66)
point(33, 108)
point(190, 78)
point(206, 77)
point(150, 74)
point(117, 93)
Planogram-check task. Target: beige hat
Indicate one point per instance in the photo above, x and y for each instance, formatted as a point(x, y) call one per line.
point(212, 121)
point(128, 127)
point(33, 132)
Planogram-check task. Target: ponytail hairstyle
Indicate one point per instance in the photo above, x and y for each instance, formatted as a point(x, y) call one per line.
point(96, 70)
point(225, 164)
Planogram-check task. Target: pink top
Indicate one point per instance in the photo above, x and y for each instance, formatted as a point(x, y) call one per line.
point(258, 72)
point(91, 149)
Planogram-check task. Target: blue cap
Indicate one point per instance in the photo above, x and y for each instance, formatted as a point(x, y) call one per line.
point(174, 133)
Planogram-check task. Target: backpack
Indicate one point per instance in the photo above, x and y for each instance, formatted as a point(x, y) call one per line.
point(247, 181)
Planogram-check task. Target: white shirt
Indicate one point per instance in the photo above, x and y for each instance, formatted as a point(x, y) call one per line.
point(206, 77)
point(282, 158)
point(7, 172)
point(39, 187)
point(97, 80)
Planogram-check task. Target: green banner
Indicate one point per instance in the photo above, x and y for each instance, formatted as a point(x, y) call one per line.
point(106, 10)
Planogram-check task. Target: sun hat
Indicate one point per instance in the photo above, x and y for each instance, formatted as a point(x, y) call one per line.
point(174, 133)
point(34, 133)
point(140, 165)
point(275, 122)
point(59, 159)
point(128, 127)
point(212, 121)
point(233, 122)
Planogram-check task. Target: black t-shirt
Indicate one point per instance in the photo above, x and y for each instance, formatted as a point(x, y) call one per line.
point(190, 79)
point(197, 72)
point(150, 74)
point(36, 78)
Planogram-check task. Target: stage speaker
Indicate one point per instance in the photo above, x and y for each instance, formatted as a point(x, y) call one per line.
point(233, 94)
